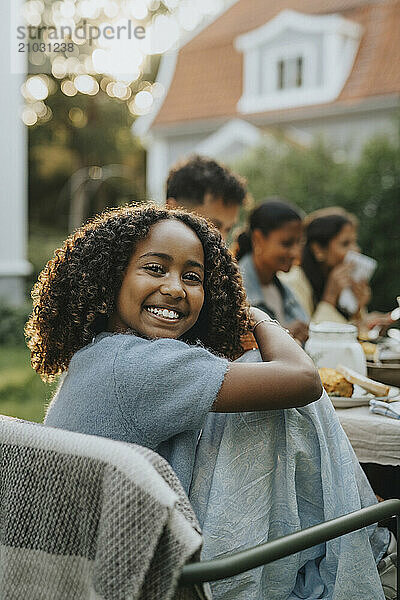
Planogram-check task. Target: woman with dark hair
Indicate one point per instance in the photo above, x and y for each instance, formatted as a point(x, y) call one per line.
point(323, 274)
point(272, 244)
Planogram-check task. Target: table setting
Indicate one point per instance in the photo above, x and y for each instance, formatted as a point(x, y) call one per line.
point(362, 379)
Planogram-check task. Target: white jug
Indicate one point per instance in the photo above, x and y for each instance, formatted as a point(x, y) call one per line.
point(331, 344)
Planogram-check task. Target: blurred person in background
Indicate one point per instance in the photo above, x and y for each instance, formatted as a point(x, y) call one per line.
point(323, 273)
point(271, 245)
point(209, 189)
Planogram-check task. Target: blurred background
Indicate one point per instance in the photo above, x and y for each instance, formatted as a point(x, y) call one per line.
point(100, 97)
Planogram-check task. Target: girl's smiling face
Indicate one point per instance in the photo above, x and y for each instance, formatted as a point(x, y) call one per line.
point(162, 292)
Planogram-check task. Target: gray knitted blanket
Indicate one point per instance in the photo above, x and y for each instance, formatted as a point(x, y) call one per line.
point(84, 517)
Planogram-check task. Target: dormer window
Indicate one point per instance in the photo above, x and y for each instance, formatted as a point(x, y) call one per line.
point(296, 60)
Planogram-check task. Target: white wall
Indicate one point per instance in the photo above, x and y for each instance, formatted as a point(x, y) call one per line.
point(13, 172)
point(349, 133)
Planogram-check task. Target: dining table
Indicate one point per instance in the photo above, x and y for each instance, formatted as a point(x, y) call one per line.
point(376, 442)
point(375, 438)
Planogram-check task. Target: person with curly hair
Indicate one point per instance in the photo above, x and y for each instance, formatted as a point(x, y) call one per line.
point(143, 308)
point(208, 188)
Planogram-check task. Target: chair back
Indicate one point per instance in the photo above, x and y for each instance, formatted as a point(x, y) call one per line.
point(84, 517)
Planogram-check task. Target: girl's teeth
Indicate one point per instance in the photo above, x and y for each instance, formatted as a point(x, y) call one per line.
point(164, 312)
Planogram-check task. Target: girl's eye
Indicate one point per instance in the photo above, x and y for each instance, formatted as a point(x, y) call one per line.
point(155, 268)
point(193, 277)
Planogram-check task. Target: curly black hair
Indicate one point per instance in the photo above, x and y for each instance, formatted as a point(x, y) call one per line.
point(76, 292)
point(189, 181)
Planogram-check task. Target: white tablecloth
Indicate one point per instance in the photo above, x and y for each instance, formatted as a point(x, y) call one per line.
point(375, 438)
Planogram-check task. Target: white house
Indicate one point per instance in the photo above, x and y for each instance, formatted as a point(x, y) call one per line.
point(300, 69)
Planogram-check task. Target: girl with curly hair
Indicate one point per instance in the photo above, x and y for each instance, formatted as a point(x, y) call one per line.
point(144, 308)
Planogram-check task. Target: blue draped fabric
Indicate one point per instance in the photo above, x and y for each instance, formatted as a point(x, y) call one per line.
point(259, 476)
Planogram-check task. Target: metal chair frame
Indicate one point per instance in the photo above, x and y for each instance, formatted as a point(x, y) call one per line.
point(221, 568)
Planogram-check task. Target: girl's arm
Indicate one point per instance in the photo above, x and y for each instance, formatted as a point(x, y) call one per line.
point(287, 378)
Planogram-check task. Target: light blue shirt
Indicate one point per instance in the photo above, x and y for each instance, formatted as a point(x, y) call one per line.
point(292, 309)
point(156, 393)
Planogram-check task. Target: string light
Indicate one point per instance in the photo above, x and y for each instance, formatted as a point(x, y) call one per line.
point(113, 64)
point(86, 84)
point(29, 116)
point(37, 87)
point(68, 88)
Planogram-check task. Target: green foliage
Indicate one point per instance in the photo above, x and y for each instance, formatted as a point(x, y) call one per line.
point(311, 179)
point(12, 322)
point(84, 131)
point(41, 245)
point(22, 393)
point(376, 201)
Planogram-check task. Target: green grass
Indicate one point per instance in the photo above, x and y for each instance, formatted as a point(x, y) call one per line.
point(22, 393)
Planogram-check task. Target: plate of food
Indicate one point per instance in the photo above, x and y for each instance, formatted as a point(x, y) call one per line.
point(347, 388)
